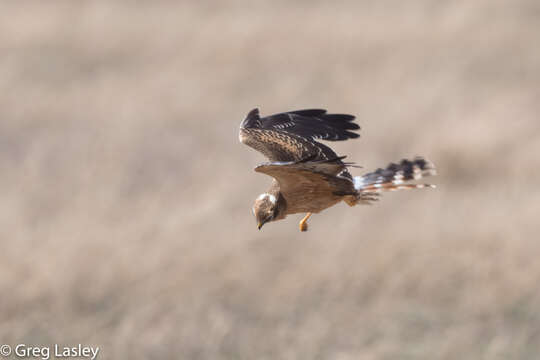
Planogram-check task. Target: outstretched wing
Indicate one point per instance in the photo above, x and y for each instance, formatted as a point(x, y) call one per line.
point(309, 124)
point(307, 184)
point(291, 136)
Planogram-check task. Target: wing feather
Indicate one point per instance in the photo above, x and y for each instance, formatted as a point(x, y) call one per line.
point(313, 177)
point(309, 123)
point(290, 136)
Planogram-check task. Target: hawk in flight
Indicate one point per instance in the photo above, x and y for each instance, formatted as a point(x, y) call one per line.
point(308, 176)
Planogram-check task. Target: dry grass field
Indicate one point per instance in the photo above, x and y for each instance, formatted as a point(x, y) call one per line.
point(125, 212)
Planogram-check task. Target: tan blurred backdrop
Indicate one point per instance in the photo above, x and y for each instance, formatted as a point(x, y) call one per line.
point(126, 198)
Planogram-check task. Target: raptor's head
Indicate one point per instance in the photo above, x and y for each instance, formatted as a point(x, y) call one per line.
point(265, 209)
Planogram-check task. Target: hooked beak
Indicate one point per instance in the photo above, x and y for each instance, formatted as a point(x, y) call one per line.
point(262, 222)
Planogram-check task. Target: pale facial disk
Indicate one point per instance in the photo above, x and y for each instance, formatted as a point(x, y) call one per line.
point(270, 197)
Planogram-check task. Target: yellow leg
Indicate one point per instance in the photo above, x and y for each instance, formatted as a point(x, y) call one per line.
point(303, 222)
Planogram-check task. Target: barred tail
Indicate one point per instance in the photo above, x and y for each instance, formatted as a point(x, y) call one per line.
point(394, 176)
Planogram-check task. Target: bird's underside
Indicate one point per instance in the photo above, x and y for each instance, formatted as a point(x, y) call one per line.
point(306, 190)
point(309, 176)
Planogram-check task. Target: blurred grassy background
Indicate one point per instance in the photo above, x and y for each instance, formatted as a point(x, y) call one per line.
point(126, 198)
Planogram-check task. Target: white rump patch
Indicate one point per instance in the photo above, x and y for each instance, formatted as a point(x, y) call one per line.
point(358, 182)
point(270, 197)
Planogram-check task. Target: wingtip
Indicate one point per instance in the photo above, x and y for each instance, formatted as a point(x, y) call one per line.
point(253, 112)
point(252, 119)
point(252, 115)
point(259, 167)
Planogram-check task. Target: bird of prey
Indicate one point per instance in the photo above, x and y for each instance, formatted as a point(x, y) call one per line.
point(308, 176)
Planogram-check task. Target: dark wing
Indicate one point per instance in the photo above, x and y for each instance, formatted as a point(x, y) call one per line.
point(291, 136)
point(309, 124)
point(314, 178)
